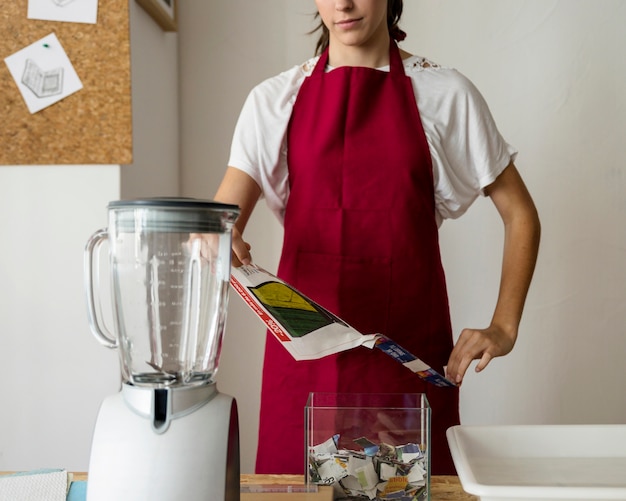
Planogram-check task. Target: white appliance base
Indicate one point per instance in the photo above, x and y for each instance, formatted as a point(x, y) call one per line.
point(195, 459)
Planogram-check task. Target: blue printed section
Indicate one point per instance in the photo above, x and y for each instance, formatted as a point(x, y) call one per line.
point(403, 356)
point(394, 350)
point(435, 378)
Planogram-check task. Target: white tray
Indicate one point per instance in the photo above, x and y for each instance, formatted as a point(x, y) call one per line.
point(548, 462)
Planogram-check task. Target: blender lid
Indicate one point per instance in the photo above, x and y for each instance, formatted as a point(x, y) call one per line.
point(172, 202)
point(164, 214)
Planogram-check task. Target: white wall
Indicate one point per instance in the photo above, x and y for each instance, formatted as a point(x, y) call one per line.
point(52, 367)
point(154, 70)
point(55, 374)
point(554, 76)
point(553, 73)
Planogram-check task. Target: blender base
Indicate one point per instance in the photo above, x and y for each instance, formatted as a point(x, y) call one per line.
point(188, 451)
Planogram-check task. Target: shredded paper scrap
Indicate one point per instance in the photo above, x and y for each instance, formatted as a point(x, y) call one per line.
point(374, 471)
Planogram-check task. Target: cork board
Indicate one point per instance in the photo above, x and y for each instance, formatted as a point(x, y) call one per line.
point(91, 126)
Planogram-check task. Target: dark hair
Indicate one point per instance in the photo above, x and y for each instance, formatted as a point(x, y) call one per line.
point(394, 12)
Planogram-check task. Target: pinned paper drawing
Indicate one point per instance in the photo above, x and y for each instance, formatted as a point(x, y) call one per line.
point(43, 73)
point(69, 11)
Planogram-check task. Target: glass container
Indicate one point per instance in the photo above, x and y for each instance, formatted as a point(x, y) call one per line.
point(369, 446)
point(169, 261)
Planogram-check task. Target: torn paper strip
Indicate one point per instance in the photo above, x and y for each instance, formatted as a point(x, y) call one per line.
point(307, 330)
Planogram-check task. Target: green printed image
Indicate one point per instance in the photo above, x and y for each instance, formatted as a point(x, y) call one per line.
point(297, 313)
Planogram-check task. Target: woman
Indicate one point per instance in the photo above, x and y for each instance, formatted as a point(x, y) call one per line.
point(361, 152)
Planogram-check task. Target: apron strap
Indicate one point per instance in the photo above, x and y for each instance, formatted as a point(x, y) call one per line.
point(395, 60)
point(320, 67)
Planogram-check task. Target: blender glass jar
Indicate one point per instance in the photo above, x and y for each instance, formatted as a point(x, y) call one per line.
point(170, 270)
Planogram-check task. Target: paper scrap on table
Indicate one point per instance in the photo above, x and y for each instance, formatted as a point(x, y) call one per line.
point(307, 330)
point(70, 11)
point(43, 73)
point(51, 485)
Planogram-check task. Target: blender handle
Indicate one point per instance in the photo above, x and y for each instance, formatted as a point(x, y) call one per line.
point(100, 332)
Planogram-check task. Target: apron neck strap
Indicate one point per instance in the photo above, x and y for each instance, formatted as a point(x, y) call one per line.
point(395, 61)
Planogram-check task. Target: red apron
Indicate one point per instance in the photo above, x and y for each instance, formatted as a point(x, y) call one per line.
point(360, 238)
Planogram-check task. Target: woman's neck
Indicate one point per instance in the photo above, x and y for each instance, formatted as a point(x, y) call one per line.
point(372, 54)
point(367, 60)
point(341, 55)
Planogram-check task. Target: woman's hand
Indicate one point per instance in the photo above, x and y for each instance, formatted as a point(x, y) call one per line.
point(478, 344)
point(241, 250)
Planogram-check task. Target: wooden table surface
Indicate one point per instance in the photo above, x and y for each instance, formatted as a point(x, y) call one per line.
point(442, 488)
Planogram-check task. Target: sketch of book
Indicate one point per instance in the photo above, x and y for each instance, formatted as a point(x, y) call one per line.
point(42, 83)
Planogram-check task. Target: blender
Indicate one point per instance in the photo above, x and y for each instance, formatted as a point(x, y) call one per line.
point(169, 434)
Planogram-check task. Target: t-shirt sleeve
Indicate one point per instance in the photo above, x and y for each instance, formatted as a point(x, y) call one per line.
point(258, 146)
point(467, 150)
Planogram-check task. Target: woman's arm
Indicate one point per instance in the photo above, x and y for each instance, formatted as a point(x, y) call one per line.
point(521, 244)
point(240, 189)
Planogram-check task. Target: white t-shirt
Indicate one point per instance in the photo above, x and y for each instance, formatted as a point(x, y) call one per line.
point(468, 152)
